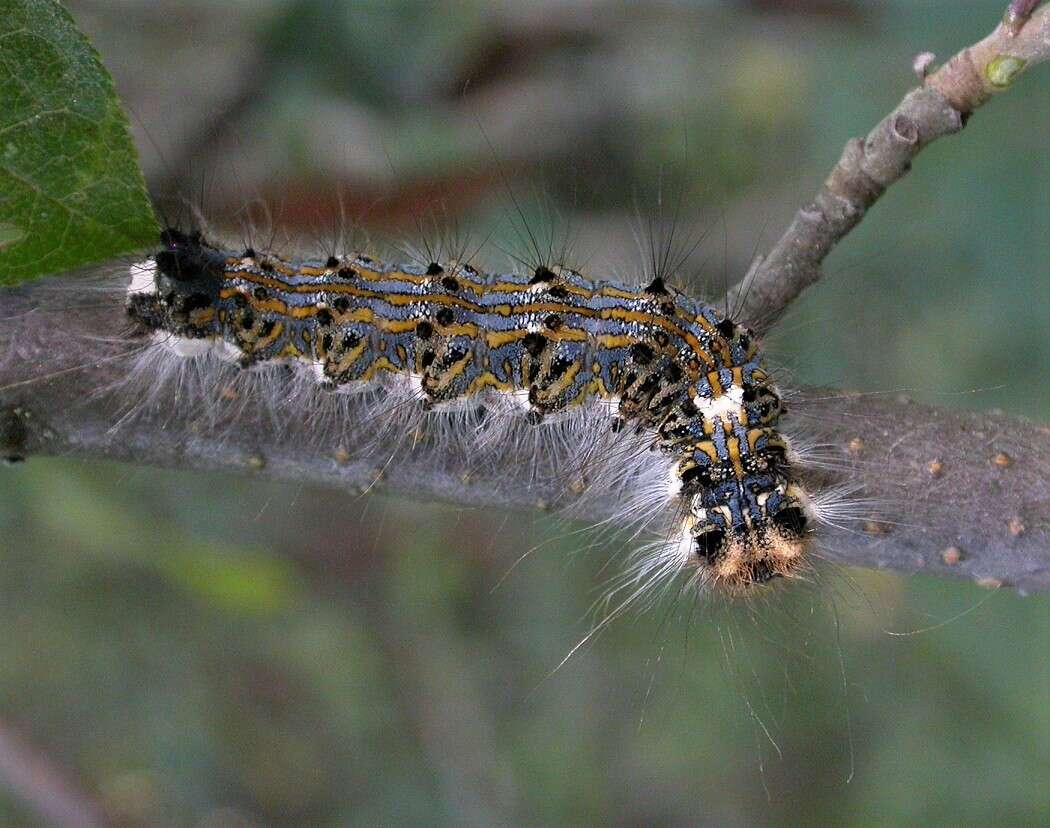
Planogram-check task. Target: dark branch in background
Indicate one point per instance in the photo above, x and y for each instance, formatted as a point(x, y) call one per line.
point(869, 165)
point(45, 790)
point(943, 509)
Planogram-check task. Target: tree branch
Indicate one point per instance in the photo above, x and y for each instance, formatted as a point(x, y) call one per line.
point(870, 165)
point(978, 484)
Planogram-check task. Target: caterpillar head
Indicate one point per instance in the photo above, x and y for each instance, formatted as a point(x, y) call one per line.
point(749, 532)
point(177, 289)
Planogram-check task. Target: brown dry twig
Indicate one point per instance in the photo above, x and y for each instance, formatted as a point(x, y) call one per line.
point(869, 165)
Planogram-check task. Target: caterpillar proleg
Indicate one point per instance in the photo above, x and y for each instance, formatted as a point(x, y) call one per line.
point(655, 369)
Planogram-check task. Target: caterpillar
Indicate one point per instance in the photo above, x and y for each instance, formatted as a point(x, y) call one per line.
point(652, 364)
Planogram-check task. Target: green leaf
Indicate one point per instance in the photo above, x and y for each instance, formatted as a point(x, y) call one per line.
point(71, 192)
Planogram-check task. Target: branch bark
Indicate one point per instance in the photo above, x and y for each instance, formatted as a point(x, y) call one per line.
point(935, 494)
point(869, 165)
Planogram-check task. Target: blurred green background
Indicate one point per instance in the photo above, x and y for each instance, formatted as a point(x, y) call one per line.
point(207, 650)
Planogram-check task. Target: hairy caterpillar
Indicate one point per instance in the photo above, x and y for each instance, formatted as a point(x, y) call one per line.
point(443, 336)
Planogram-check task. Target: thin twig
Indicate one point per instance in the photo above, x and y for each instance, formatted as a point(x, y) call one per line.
point(915, 462)
point(1017, 14)
point(870, 165)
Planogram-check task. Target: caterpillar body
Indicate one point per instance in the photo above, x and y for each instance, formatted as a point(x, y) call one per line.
point(538, 346)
